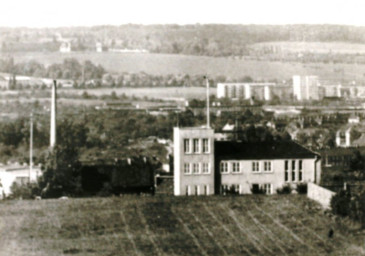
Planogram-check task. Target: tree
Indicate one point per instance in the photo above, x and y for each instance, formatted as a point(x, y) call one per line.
point(357, 162)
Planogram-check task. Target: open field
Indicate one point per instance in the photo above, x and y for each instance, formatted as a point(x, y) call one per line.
point(162, 64)
point(164, 93)
point(132, 225)
point(316, 47)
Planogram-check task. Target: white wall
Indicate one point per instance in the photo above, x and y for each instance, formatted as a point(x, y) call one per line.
point(320, 194)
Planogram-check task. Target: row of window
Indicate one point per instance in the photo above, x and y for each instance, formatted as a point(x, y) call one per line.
point(196, 168)
point(196, 146)
point(293, 165)
point(257, 166)
point(235, 167)
point(196, 190)
point(293, 175)
point(255, 188)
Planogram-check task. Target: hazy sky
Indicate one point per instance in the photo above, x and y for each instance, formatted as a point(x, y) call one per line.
point(45, 13)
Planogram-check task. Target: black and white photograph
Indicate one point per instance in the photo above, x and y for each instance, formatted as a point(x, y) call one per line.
point(182, 128)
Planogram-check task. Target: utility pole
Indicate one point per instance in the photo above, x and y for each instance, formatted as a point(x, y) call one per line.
point(31, 146)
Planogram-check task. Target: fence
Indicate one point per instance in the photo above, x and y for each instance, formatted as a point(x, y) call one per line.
point(320, 194)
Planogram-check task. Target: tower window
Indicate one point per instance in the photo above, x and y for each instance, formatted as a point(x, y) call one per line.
point(196, 145)
point(205, 145)
point(187, 146)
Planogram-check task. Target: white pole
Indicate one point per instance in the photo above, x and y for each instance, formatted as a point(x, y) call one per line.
point(208, 112)
point(31, 146)
point(53, 115)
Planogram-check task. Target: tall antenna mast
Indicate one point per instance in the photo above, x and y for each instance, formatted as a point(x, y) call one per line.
point(31, 146)
point(208, 110)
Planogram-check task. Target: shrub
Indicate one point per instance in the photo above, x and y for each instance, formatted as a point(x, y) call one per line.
point(257, 190)
point(341, 203)
point(302, 188)
point(286, 189)
point(232, 190)
point(24, 191)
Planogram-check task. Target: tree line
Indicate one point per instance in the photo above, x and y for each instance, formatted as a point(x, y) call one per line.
point(198, 39)
point(89, 75)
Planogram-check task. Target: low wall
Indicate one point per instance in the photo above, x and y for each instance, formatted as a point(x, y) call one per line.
point(320, 194)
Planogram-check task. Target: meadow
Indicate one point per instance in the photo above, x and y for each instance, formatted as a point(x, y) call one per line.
point(163, 225)
point(316, 47)
point(163, 93)
point(163, 64)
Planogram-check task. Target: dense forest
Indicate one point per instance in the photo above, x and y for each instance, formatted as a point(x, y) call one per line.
point(212, 39)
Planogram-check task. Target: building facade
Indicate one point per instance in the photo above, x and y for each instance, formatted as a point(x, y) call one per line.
point(193, 161)
point(243, 168)
point(306, 87)
point(260, 91)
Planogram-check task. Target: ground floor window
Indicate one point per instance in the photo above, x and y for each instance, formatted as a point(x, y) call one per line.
point(224, 189)
point(187, 190)
point(206, 189)
point(196, 190)
point(267, 188)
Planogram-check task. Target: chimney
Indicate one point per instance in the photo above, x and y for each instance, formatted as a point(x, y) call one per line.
point(208, 111)
point(53, 115)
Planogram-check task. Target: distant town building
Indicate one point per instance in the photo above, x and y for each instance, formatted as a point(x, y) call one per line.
point(343, 137)
point(65, 47)
point(203, 166)
point(353, 119)
point(306, 88)
point(259, 91)
point(99, 47)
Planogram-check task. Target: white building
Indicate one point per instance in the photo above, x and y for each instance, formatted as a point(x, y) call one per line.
point(203, 166)
point(193, 161)
point(20, 174)
point(306, 88)
point(99, 47)
point(260, 91)
point(65, 47)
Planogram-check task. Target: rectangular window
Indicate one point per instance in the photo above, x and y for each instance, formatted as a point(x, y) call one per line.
point(236, 188)
point(224, 167)
point(205, 145)
point(196, 168)
point(235, 167)
point(255, 188)
point(286, 165)
point(255, 167)
point(286, 175)
point(293, 165)
point(206, 190)
point(267, 166)
point(186, 146)
point(293, 175)
point(300, 164)
point(196, 190)
point(224, 189)
point(186, 168)
point(187, 190)
point(300, 175)
point(196, 145)
point(206, 168)
point(267, 188)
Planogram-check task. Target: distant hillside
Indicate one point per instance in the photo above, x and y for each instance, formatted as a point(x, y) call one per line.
point(231, 68)
point(211, 40)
